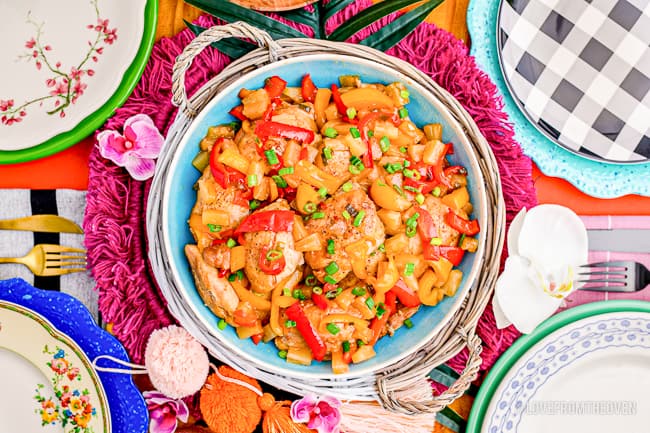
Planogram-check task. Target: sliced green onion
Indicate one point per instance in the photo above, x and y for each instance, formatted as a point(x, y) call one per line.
point(409, 268)
point(408, 323)
point(273, 255)
point(297, 294)
point(411, 188)
point(332, 268)
point(271, 157)
point(351, 112)
point(393, 167)
point(403, 149)
point(347, 187)
point(354, 131)
point(403, 112)
point(408, 173)
point(371, 133)
point(353, 169)
point(381, 248)
point(436, 191)
point(252, 180)
point(411, 232)
point(419, 198)
point(462, 238)
point(322, 192)
point(360, 343)
point(289, 324)
point(311, 280)
point(333, 293)
point(381, 310)
point(285, 170)
point(346, 215)
point(231, 243)
point(359, 291)
point(346, 346)
point(318, 215)
point(404, 93)
point(413, 220)
point(436, 241)
point(282, 354)
point(317, 289)
point(222, 324)
point(331, 132)
point(286, 291)
point(331, 249)
point(399, 190)
point(351, 210)
point(359, 218)
point(214, 228)
point(239, 275)
point(327, 153)
point(329, 279)
point(370, 303)
point(384, 143)
point(310, 207)
point(254, 204)
point(333, 329)
point(279, 181)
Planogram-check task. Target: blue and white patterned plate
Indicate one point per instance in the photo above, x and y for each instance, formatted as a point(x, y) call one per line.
point(594, 177)
point(126, 405)
point(590, 374)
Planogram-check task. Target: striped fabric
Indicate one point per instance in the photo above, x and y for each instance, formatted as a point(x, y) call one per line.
point(66, 203)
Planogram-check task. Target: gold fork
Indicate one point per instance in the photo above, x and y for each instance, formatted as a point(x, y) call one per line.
point(46, 260)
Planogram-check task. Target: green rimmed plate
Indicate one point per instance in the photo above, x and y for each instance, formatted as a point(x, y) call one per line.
point(585, 369)
point(49, 383)
point(65, 73)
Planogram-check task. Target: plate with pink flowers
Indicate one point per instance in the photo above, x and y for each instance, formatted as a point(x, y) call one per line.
point(66, 66)
point(54, 387)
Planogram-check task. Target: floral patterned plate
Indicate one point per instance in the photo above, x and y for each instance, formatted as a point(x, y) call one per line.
point(54, 387)
point(128, 411)
point(66, 66)
point(585, 369)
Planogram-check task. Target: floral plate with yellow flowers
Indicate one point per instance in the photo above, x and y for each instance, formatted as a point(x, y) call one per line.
point(54, 387)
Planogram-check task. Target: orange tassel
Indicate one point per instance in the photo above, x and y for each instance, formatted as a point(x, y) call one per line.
point(277, 418)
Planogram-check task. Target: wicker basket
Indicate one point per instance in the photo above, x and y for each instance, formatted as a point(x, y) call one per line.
point(391, 384)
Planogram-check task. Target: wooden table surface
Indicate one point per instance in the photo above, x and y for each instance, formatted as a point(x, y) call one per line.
point(68, 169)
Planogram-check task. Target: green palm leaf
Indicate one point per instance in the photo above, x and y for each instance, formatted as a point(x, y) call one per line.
point(231, 47)
point(389, 35)
point(331, 8)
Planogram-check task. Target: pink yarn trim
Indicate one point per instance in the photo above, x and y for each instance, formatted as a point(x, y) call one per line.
point(114, 223)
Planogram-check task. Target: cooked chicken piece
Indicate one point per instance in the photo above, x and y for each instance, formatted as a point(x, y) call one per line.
point(339, 162)
point(397, 320)
point(438, 210)
point(296, 116)
point(344, 233)
point(217, 256)
point(258, 243)
point(211, 196)
point(216, 292)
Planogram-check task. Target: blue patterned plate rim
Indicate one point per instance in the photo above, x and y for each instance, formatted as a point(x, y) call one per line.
point(127, 406)
point(523, 345)
point(597, 178)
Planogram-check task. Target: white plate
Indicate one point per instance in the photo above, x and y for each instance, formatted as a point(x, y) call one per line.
point(48, 384)
point(98, 37)
point(592, 375)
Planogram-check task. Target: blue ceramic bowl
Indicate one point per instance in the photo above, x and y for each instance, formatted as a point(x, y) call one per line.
point(179, 197)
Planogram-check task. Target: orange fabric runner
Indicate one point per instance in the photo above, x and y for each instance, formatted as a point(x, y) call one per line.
point(69, 169)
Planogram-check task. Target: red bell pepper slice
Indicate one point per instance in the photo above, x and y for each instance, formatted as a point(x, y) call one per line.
point(306, 329)
point(340, 105)
point(304, 154)
point(377, 324)
point(223, 174)
point(242, 198)
point(266, 129)
point(268, 220)
point(271, 267)
point(438, 171)
point(257, 338)
point(405, 294)
point(308, 89)
point(319, 300)
point(274, 86)
point(238, 112)
point(453, 254)
point(427, 230)
point(467, 227)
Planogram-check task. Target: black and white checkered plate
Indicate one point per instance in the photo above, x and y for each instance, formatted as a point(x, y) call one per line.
point(580, 71)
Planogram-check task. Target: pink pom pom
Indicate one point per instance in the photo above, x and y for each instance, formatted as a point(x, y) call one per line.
point(177, 364)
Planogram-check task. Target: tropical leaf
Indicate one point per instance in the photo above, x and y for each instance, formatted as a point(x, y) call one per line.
point(231, 12)
point(303, 16)
point(333, 6)
point(451, 420)
point(367, 17)
point(389, 35)
point(231, 47)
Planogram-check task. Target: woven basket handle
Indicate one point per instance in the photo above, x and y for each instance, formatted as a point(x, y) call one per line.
point(208, 37)
point(390, 385)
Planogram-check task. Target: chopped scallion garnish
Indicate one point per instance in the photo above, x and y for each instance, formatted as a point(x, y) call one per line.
point(358, 291)
point(310, 207)
point(332, 268)
point(436, 191)
point(381, 310)
point(331, 132)
point(346, 215)
point(327, 153)
point(346, 346)
point(354, 131)
point(317, 289)
point(252, 180)
point(419, 198)
point(351, 112)
point(318, 215)
point(329, 279)
point(254, 204)
point(409, 268)
point(408, 323)
point(384, 143)
point(403, 149)
point(436, 242)
point(214, 228)
point(404, 93)
point(381, 248)
point(279, 181)
point(403, 112)
point(282, 354)
point(333, 329)
point(322, 192)
point(310, 280)
point(331, 249)
point(370, 303)
point(347, 187)
point(289, 324)
point(285, 170)
point(271, 157)
point(231, 243)
point(222, 324)
point(359, 218)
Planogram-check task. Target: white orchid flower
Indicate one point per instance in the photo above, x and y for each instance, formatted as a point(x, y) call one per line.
point(546, 245)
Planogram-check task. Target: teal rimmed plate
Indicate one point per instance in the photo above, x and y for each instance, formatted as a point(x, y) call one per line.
point(65, 73)
point(598, 179)
point(585, 369)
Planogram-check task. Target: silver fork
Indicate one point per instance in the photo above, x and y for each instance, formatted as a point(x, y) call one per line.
point(618, 276)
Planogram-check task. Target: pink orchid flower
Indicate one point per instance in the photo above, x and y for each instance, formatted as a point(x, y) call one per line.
point(320, 413)
point(136, 149)
point(164, 412)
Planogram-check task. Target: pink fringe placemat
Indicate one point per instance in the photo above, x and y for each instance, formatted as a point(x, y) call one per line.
point(114, 220)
